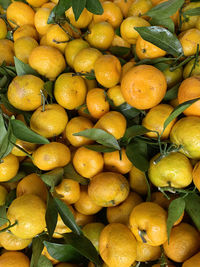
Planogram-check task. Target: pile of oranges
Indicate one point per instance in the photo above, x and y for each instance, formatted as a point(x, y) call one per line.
point(99, 134)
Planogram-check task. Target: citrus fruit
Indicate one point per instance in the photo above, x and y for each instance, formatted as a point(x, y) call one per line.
point(69, 191)
point(9, 166)
point(14, 259)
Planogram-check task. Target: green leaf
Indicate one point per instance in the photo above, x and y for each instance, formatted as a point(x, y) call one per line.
point(7, 145)
point(10, 197)
point(22, 132)
point(3, 217)
point(153, 61)
point(161, 66)
point(51, 215)
point(128, 111)
point(63, 252)
point(48, 87)
point(166, 9)
point(131, 132)
point(162, 38)
point(18, 177)
point(100, 148)
point(28, 167)
point(101, 137)
point(67, 216)
point(78, 6)
point(3, 130)
point(23, 68)
point(172, 93)
point(44, 262)
point(192, 12)
point(137, 153)
point(94, 7)
point(84, 246)
point(37, 247)
point(165, 22)
point(177, 111)
point(119, 50)
point(53, 178)
point(175, 210)
point(58, 12)
point(192, 206)
point(5, 3)
point(70, 173)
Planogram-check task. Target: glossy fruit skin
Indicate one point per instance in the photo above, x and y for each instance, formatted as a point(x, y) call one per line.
point(70, 191)
point(22, 210)
point(8, 167)
point(24, 92)
point(147, 252)
point(137, 181)
point(144, 217)
point(117, 251)
point(189, 41)
point(108, 189)
point(143, 93)
point(50, 156)
point(186, 133)
point(25, 31)
point(3, 31)
point(183, 243)
point(14, 259)
point(174, 169)
point(189, 89)
point(83, 21)
point(40, 20)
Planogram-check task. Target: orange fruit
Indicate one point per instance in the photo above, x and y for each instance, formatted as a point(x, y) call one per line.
point(28, 147)
point(82, 219)
point(69, 191)
point(139, 8)
point(173, 77)
point(189, 89)
point(124, 6)
point(116, 163)
point(117, 251)
point(75, 125)
point(24, 92)
point(3, 195)
point(145, 49)
point(143, 93)
point(183, 243)
point(85, 204)
point(70, 91)
point(36, 3)
point(108, 189)
point(112, 122)
point(83, 21)
point(146, 252)
point(193, 261)
point(3, 29)
point(189, 41)
point(6, 52)
point(137, 181)
point(47, 61)
point(112, 14)
point(14, 259)
point(51, 156)
point(9, 167)
point(19, 13)
point(121, 212)
point(32, 184)
point(88, 162)
point(196, 175)
point(48, 256)
point(155, 118)
point(40, 20)
point(25, 31)
point(148, 222)
point(127, 30)
point(107, 70)
point(173, 170)
point(115, 94)
point(49, 121)
point(97, 103)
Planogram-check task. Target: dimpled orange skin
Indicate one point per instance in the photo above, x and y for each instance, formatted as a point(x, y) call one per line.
point(88, 162)
point(114, 163)
point(152, 219)
point(49, 122)
point(112, 122)
point(196, 175)
point(75, 125)
point(189, 40)
point(137, 181)
point(147, 252)
point(155, 118)
point(143, 93)
point(146, 49)
point(24, 92)
point(8, 167)
point(183, 243)
point(97, 103)
point(121, 212)
point(51, 156)
point(32, 184)
point(24, 31)
point(108, 189)
point(40, 20)
point(47, 61)
point(107, 70)
point(117, 245)
point(190, 89)
point(20, 13)
point(85, 205)
point(14, 259)
point(69, 190)
point(193, 261)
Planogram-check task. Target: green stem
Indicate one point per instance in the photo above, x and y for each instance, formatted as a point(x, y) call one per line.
point(9, 226)
point(141, 234)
